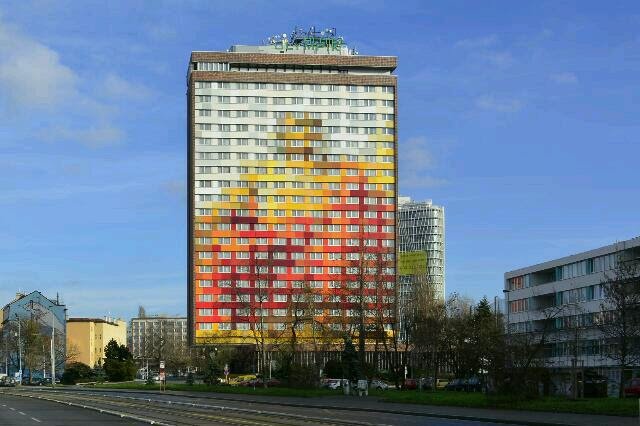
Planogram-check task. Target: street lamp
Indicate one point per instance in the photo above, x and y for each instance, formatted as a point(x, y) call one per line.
point(53, 349)
point(508, 308)
point(19, 349)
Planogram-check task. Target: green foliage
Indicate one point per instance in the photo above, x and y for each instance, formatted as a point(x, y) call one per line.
point(333, 369)
point(298, 376)
point(77, 372)
point(190, 379)
point(609, 406)
point(149, 380)
point(118, 365)
point(98, 374)
point(350, 362)
point(212, 372)
point(117, 352)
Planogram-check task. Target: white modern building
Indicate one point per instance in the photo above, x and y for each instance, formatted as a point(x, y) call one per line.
point(421, 250)
point(562, 299)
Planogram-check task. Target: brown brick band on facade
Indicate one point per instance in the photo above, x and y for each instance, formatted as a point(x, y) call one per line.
point(270, 77)
point(293, 59)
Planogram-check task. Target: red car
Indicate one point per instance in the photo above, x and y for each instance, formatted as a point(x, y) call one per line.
point(633, 387)
point(410, 384)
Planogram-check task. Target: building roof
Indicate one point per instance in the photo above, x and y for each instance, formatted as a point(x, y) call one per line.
point(98, 320)
point(600, 251)
point(20, 296)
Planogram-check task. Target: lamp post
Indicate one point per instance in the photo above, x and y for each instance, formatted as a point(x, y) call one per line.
point(53, 348)
point(19, 350)
point(508, 308)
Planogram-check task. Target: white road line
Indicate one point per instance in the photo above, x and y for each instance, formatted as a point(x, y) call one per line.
point(12, 409)
point(22, 413)
point(35, 420)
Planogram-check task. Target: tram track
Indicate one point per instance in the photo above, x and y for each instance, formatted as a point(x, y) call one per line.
point(167, 412)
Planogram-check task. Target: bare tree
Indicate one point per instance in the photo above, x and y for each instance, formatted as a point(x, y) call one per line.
point(619, 319)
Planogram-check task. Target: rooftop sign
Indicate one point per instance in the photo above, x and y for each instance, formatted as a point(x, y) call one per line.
point(311, 39)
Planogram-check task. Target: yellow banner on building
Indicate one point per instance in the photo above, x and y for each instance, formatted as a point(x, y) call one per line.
point(412, 263)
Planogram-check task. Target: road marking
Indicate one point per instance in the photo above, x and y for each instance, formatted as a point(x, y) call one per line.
point(22, 413)
point(12, 409)
point(35, 420)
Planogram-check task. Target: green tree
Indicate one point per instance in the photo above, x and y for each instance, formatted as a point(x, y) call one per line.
point(350, 361)
point(118, 364)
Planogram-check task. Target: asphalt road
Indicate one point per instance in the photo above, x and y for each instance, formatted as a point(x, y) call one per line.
point(21, 411)
point(177, 410)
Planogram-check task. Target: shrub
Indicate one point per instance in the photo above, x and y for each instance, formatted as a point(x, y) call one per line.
point(76, 372)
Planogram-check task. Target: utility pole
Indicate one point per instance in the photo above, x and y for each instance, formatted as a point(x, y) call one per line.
point(19, 349)
point(53, 350)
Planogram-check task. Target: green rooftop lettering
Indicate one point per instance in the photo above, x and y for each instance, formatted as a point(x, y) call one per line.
point(312, 43)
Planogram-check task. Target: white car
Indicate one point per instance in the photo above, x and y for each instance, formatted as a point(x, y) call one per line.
point(332, 384)
point(378, 384)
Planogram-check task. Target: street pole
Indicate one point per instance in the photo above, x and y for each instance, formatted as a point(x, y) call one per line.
point(19, 349)
point(53, 351)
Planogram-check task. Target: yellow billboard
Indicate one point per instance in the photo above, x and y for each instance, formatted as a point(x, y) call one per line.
point(412, 263)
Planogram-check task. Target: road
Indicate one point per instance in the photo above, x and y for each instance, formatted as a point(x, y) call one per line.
point(49, 407)
point(21, 411)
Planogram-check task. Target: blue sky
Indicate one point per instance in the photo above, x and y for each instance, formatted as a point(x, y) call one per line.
point(518, 117)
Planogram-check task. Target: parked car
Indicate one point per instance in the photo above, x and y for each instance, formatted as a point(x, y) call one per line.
point(7, 381)
point(332, 383)
point(410, 384)
point(441, 383)
point(473, 384)
point(378, 384)
point(257, 382)
point(237, 381)
point(455, 385)
point(633, 387)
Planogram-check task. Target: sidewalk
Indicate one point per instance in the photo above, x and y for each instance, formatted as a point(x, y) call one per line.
point(374, 404)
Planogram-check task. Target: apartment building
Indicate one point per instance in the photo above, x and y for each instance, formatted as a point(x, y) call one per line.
point(87, 337)
point(152, 336)
point(563, 299)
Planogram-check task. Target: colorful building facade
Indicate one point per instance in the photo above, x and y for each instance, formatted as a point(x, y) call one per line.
point(292, 201)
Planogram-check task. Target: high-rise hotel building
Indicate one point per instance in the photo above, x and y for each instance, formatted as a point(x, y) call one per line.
point(292, 188)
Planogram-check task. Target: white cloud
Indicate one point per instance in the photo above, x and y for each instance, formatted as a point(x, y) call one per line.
point(119, 88)
point(417, 163)
point(479, 42)
point(565, 78)
point(34, 80)
point(175, 188)
point(491, 103)
point(28, 67)
point(97, 136)
point(500, 59)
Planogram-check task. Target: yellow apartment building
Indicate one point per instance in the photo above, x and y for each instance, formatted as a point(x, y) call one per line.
point(88, 337)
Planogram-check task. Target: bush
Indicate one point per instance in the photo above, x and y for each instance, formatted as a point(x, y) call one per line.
point(76, 372)
point(190, 379)
point(119, 371)
point(302, 376)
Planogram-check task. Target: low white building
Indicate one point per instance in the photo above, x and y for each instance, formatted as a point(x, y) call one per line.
point(562, 299)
